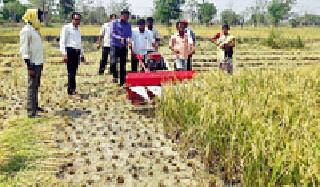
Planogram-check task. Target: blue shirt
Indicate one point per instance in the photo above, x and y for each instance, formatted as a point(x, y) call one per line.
point(120, 29)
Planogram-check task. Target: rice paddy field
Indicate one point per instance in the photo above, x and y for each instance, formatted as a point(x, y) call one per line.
point(257, 127)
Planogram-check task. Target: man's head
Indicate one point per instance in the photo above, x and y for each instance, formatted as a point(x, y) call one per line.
point(40, 15)
point(185, 23)
point(141, 24)
point(125, 15)
point(225, 29)
point(180, 27)
point(150, 23)
point(113, 17)
point(76, 19)
point(33, 17)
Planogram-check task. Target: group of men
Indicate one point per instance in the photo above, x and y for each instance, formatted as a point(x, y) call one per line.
point(118, 37)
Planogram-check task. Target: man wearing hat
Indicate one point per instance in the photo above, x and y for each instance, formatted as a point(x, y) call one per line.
point(31, 50)
point(225, 43)
point(120, 38)
point(154, 32)
point(191, 34)
point(142, 43)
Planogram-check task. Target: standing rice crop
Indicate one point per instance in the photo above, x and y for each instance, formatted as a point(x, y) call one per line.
point(257, 127)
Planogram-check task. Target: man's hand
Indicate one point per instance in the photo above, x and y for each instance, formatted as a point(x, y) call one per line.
point(65, 58)
point(32, 73)
point(83, 59)
point(98, 45)
point(122, 40)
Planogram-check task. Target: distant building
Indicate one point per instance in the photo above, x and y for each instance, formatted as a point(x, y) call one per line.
point(54, 6)
point(1, 3)
point(80, 4)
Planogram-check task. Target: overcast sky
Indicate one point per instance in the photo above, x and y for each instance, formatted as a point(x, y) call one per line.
point(311, 6)
point(144, 7)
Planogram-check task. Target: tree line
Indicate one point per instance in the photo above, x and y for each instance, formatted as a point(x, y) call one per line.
point(263, 12)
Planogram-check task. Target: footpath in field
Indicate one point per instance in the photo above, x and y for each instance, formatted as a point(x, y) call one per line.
point(109, 142)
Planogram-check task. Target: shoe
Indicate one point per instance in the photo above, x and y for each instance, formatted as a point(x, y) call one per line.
point(40, 109)
point(72, 93)
point(100, 73)
point(31, 116)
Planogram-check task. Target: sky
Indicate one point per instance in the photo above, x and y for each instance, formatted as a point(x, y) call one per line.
point(144, 7)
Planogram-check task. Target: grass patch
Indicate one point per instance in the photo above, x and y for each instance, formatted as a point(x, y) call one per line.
point(259, 127)
point(21, 149)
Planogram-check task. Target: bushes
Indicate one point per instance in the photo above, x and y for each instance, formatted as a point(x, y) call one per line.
point(276, 41)
point(259, 126)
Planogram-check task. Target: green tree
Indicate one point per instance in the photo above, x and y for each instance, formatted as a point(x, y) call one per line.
point(66, 8)
point(230, 17)
point(279, 10)
point(13, 10)
point(166, 10)
point(206, 12)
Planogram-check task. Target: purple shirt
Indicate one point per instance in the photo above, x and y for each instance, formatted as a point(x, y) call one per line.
point(120, 29)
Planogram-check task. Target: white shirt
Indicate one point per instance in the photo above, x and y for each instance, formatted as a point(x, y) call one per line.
point(31, 46)
point(154, 33)
point(70, 37)
point(105, 31)
point(141, 42)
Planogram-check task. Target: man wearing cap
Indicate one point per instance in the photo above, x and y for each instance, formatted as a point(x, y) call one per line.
point(72, 50)
point(225, 43)
point(31, 50)
point(182, 46)
point(193, 37)
point(120, 37)
point(105, 34)
point(142, 43)
point(154, 32)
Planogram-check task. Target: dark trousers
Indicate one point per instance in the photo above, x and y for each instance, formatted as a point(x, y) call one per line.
point(119, 52)
point(104, 59)
point(189, 63)
point(135, 63)
point(72, 66)
point(33, 88)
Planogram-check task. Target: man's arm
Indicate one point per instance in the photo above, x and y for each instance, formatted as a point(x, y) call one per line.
point(129, 33)
point(232, 43)
point(113, 31)
point(25, 40)
point(101, 35)
point(63, 39)
point(25, 44)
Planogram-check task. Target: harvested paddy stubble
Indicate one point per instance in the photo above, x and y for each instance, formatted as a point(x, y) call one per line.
point(257, 127)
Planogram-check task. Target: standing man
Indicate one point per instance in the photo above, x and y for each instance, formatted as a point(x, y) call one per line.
point(105, 34)
point(120, 37)
point(193, 37)
point(181, 44)
point(225, 43)
point(154, 32)
point(72, 50)
point(142, 43)
point(31, 50)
